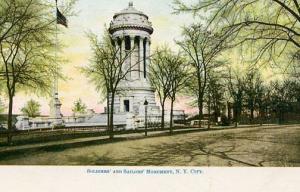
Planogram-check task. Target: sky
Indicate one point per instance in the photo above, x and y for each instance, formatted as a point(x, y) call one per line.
point(92, 15)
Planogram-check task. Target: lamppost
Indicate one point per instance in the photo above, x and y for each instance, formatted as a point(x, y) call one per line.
point(145, 104)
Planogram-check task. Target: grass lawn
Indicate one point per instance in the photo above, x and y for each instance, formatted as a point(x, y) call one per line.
point(46, 136)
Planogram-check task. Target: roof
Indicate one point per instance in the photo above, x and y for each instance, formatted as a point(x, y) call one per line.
point(130, 10)
point(130, 18)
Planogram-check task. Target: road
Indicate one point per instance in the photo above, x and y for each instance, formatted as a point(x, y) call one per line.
point(260, 146)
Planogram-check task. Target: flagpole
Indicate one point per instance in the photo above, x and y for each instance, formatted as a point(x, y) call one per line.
point(55, 80)
point(56, 103)
point(56, 63)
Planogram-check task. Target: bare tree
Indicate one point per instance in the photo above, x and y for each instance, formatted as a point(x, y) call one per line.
point(283, 94)
point(108, 67)
point(178, 68)
point(253, 91)
point(160, 77)
point(269, 27)
point(215, 95)
point(293, 70)
point(202, 48)
point(236, 85)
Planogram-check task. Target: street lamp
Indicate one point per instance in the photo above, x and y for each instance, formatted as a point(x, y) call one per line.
point(145, 104)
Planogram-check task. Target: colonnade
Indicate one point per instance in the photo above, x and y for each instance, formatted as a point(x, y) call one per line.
point(138, 61)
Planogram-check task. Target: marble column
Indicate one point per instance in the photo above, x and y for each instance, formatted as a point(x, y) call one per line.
point(123, 47)
point(123, 53)
point(132, 62)
point(137, 59)
point(118, 48)
point(141, 57)
point(147, 56)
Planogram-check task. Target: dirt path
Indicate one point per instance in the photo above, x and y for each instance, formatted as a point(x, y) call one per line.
point(262, 146)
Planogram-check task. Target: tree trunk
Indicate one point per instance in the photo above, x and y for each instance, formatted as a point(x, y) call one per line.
point(200, 109)
point(108, 112)
point(217, 112)
point(208, 126)
point(9, 120)
point(260, 118)
point(235, 117)
point(229, 112)
point(261, 113)
point(281, 118)
point(171, 116)
point(200, 97)
point(251, 114)
point(111, 123)
point(162, 116)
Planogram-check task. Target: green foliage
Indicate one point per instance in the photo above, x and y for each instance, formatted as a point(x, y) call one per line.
point(27, 40)
point(31, 109)
point(236, 88)
point(27, 48)
point(160, 72)
point(269, 29)
point(215, 94)
point(283, 97)
point(59, 126)
point(79, 108)
point(2, 107)
point(202, 49)
point(179, 70)
point(266, 33)
point(160, 76)
point(254, 91)
point(168, 75)
point(107, 69)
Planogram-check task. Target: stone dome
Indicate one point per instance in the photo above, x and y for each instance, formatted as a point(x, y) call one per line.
point(130, 18)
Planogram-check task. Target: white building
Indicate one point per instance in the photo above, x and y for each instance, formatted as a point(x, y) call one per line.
point(131, 31)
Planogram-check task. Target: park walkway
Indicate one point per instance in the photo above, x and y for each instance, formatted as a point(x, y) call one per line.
point(88, 141)
point(98, 138)
point(243, 146)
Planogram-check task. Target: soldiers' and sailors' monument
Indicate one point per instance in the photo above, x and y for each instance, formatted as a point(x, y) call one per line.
point(131, 31)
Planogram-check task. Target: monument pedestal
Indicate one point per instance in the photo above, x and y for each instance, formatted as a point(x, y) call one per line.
point(56, 112)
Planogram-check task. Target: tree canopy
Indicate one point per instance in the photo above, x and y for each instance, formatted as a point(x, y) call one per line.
point(107, 69)
point(27, 48)
point(270, 28)
point(79, 108)
point(31, 108)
